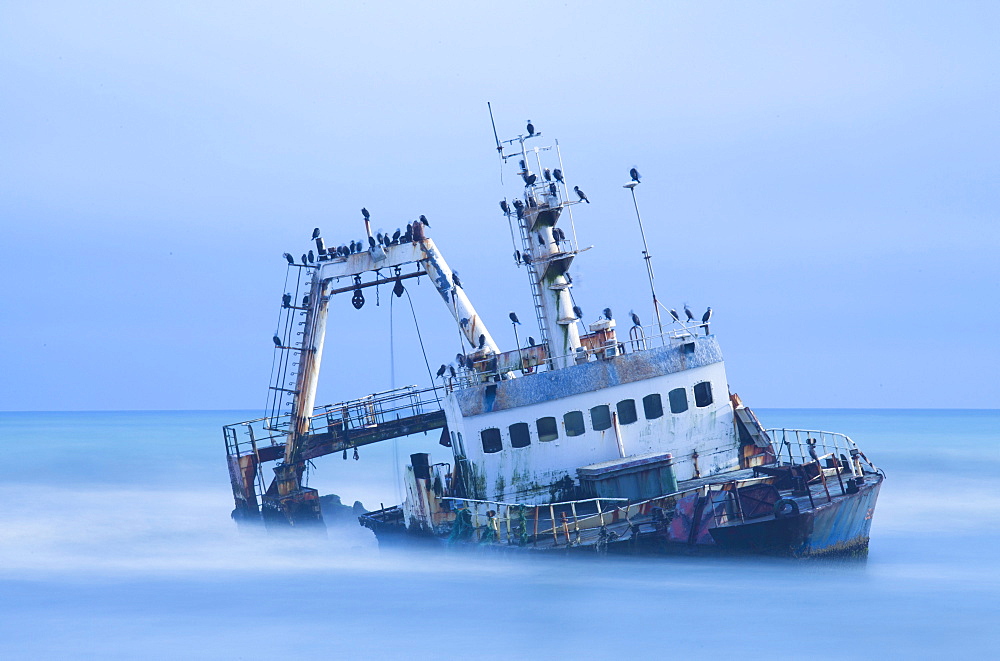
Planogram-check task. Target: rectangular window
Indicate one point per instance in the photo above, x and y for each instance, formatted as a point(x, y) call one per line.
point(626, 412)
point(491, 440)
point(520, 436)
point(547, 429)
point(702, 393)
point(678, 400)
point(652, 406)
point(600, 417)
point(573, 421)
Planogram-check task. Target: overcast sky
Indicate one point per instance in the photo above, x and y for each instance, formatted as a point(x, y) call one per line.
point(824, 175)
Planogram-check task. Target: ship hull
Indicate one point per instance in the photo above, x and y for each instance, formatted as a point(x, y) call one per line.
point(839, 527)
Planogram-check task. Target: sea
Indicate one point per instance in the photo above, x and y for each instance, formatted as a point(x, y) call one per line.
point(116, 542)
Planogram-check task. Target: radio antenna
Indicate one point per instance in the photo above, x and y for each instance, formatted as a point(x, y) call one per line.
point(497, 138)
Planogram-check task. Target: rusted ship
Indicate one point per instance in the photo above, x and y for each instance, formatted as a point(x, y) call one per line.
point(587, 439)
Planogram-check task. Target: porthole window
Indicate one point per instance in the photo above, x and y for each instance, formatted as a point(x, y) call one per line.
point(678, 400)
point(702, 393)
point(491, 440)
point(573, 421)
point(626, 412)
point(652, 406)
point(520, 436)
point(547, 428)
point(600, 417)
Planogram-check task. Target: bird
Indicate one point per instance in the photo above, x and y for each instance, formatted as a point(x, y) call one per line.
point(305, 260)
point(519, 208)
point(386, 240)
point(607, 313)
point(451, 370)
point(396, 235)
point(482, 341)
point(276, 340)
point(423, 219)
point(463, 322)
point(581, 194)
point(529, 179)
point(311, 256)
point(673, 313)
point(635, 175)
point(552, 190)
point(286, 300)
point(513, 318)
point(526, 257)
point(687, 311)
point(531, 128)
point(442, 370)
point(289, 258)
point(364, 212)
point(517, 256)
point(578, 311)
point(547, 173)
point(454, 279)
point(504, 207)
point(635, 318)
point(460, 357)
point(524, 166)
point(541, 239)
point(531, 341)
point(558, 235)
point(315, 233)
point(557, 173)
point(371, 242)
point(705, 317)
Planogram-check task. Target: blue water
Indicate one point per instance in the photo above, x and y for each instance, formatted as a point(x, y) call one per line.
point(116, 543)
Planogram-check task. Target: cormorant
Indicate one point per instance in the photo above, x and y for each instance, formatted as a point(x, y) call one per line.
point(504, 207)
point(289, 258)
point(557, 173)
point(460, 357)
point(526, 257)
point(529, 179)
point(578, 311)
point(635, 175)
point(687, 311)
point(673, 313)
point(517, 256)
point(442, 370)
point(316, 233)
point(463, 322)
point(286, 300)
point(541, 239)
point(635, 319)
point(531, 341)
point(311, 256)
point(423, 219)
point(305, 301)
point(276, 340)
point(451, 370)
point(454, 279)
point(607, 313)
point(513, 318)
point(705, 317)
point(581, 194)
point(371, 242)
point(305, 261)
point(547, 173)
point(396, 235)
point(531, 129)
point(364, 212)
point(552, 190)
point(386, 240)
point(519, 208)
point(482, 341)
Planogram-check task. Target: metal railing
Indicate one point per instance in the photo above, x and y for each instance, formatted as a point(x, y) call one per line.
point(507, 522)
point(805, 445)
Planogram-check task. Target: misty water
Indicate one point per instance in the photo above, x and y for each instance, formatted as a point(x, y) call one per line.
point(116, 543)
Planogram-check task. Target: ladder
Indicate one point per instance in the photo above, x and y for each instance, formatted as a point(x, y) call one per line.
point(533, 281)
point(292, 319)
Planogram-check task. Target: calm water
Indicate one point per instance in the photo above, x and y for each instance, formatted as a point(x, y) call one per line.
point(116, 543)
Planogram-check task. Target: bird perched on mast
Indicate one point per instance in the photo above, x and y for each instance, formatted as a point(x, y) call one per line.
point(547, 173)
point(635, 319)
point(607, 314)
point(531, 129)
point(673, 313)
point(289, 258)
point(442, 370)
point(578, 311)
point(580, 193)
point(705, 317)
point(687, 311)
point(557, 173)
point(635, 175)
point(504, 207)
point(315, 233)
point(364, 212)
point(513, 318)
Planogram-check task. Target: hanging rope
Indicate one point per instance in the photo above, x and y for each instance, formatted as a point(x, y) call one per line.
point(416, 325)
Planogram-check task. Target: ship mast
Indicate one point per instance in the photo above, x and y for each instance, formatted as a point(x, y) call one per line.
point(547, 252)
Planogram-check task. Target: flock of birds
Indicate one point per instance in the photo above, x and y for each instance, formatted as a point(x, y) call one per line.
point(413, 232)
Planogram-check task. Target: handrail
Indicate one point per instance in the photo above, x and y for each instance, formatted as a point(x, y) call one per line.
point(823, 442)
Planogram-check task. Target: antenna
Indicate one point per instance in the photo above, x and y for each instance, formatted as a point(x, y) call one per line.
point(495, 136)
point(646, 256)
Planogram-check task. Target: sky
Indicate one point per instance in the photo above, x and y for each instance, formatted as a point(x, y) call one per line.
point(824, 175)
